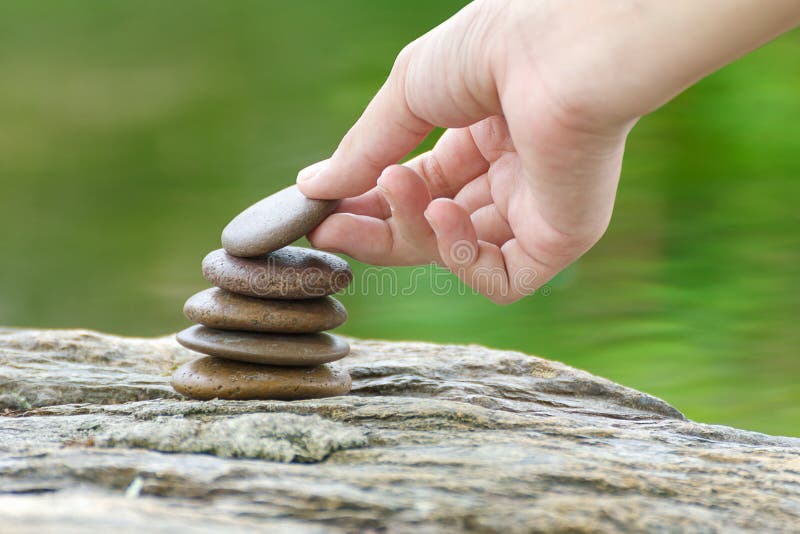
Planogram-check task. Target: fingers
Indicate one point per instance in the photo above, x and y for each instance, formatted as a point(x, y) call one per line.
point(364, 238)
point(370, 203)
point(407, 196)
point(491, 226)
point(404, 238)
point(475, 194)
point(504, 275)
point(480, 249)
point(454, 161)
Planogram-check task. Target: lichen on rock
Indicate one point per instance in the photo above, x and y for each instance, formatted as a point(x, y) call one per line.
point(280, 437)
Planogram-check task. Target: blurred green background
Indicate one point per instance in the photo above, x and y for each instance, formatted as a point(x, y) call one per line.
point(131, 132)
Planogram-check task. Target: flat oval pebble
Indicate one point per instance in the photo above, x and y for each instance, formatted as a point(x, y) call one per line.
point(288, 273)
point(274, 222)
point(218, 308)
point(268, 349)
point(217, 378)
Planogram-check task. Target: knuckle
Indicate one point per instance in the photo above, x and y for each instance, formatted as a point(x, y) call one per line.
point(400, 85)
point(404, 57)
point(433, 173)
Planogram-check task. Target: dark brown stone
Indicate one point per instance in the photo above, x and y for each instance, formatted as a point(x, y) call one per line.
point(267, 349)
point(218, 308)
point(288, 273)
point(274, 222)
point(210, 378)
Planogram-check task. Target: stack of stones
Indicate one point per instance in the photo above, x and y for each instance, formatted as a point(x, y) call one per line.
point(262, 326)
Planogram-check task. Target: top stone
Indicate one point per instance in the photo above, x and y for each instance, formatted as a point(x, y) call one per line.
point(274, 222)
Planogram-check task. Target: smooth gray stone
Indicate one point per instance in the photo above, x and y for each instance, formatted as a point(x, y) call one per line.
point(274, 222)
point(218, 308)
point(289, 273)
point(217, 378)
point(267, 349)
point(432, 438)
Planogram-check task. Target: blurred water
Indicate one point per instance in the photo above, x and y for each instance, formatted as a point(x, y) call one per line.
point(131, 132)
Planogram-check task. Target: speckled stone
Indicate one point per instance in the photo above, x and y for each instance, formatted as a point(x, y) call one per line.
point(274, 222)
point(268, 349)
point(210, 377)
point(288, 273)
point(218, 308)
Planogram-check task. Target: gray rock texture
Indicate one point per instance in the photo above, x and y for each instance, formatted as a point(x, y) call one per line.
point(432, 438)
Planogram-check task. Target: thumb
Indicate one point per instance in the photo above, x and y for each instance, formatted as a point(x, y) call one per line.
point(386, 131)
point(427, 87)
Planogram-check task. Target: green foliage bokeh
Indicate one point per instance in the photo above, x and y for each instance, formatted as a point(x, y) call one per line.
point(131, 132)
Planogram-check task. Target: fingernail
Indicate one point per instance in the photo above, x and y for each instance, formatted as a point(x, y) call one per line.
point(311, 171)
point(306, 174)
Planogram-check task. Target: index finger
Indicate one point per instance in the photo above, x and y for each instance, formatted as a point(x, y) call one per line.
point(386, 131)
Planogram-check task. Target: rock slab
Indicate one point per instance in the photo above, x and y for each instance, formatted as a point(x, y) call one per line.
point(432, 438)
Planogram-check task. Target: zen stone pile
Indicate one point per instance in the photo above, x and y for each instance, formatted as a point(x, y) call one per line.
point(262, 326)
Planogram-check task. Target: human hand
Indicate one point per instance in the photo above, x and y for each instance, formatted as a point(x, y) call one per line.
point(539, 97)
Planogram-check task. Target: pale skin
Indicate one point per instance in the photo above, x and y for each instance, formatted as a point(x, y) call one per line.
point(538, 98)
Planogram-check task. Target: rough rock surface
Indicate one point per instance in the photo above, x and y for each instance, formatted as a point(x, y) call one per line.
point(432, 438)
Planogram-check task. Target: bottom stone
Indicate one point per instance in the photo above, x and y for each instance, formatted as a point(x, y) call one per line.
point(218, 378)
